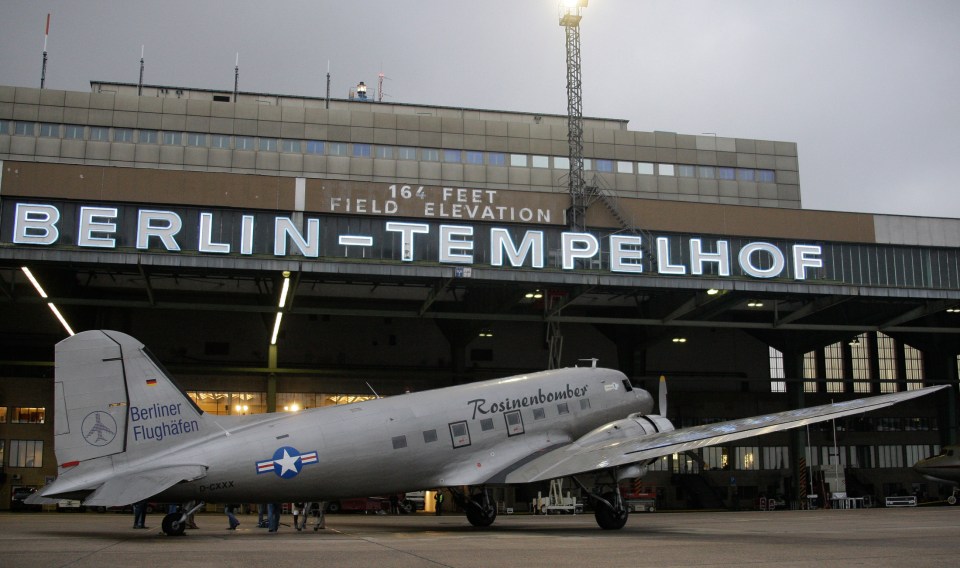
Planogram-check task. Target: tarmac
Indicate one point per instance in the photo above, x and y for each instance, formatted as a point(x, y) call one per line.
point(863, 537)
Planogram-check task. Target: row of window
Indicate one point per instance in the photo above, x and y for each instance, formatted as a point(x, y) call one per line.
point(22, 415)
point(862, 349)
point(23, 453)
point(363, 150)
point(748, 458)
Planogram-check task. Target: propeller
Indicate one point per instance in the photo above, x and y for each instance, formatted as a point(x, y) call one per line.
point(662, 404)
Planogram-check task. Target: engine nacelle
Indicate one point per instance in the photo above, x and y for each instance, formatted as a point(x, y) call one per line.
point(630, 427)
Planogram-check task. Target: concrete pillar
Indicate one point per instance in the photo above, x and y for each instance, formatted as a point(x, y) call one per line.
point(272, 379)
point(940, 367)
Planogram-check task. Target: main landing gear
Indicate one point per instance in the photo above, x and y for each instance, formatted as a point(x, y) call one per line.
point(480, 508)
point(610, 511)
point(174, 524)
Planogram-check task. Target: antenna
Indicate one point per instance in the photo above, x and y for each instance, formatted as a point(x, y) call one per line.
point(371, 389)
point(43, 70)
point(380, 87)
point(327, 104)
point(236, 78)
point(140, 83)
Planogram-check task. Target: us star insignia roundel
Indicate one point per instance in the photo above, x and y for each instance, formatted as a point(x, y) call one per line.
point(287, 462)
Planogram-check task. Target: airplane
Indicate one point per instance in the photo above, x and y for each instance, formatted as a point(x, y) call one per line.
point(125, 432)
point(943, 467)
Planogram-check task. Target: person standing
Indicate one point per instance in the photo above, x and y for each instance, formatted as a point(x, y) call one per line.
point(140, 514)
point(273, 517)
point(228, 510)
point(439, 498)
point(299, 516)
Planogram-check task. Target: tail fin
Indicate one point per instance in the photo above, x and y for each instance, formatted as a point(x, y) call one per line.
point(112, 397)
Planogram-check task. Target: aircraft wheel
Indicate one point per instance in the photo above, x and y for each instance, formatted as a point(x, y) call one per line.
point(610, 519)
point(172, 526)
point(407, 507)
point(333, 507)
point(480, 515)
point(952, 500)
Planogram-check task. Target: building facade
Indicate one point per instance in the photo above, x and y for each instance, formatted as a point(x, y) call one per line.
point(423, 246)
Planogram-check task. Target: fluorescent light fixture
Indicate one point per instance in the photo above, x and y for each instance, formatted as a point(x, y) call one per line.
point(285, 289)
point(34, 281)
point(57, 313)
point(754, 304)
point(679, 339)
point(276, 329)
point(43, 294)
point(713, 292)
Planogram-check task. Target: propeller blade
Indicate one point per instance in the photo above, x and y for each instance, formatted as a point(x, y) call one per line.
point(662, 404)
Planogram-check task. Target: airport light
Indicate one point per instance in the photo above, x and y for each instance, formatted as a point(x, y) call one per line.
point(679, 339)
point(713, 292)
point(51, 305)
point(953, 310)
point(754, 304)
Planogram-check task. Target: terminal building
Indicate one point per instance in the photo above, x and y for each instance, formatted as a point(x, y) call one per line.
point(282, 252)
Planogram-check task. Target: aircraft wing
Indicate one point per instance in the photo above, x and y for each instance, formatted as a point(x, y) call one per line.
point(601, 453)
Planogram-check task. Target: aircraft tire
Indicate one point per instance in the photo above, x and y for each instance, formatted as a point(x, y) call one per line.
point(952, 500)
point(480, 517)
point(172, 526)
point(333, 507)
point(609, 519)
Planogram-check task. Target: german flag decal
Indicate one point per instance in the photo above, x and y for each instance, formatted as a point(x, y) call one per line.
point(151, 382)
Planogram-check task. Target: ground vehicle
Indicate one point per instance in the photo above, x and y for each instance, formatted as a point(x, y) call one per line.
point(413, 501)
point(18, 495)
point(369, 505)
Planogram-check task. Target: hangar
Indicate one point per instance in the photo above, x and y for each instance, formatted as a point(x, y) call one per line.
point(279, 252)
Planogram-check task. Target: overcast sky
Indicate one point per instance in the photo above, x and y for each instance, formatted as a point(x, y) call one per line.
point(868, 89)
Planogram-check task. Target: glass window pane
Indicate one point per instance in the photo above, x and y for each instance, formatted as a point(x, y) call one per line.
point(624, 167)
point(143, 137)
point(666, 169)
point(474, 157)
point(314, 147)
point(337, 149)
point(196, 139)
point(726, 173)
point(405, 153)
point(451, 156)
point(22, 128)
point(291, 146)
point(645, 168)
point(268, 145)
point(384, 152)
point(49, 130)
point(430, 155)
point(766, 176)
point(361, 150)
point(172, 138)
point(561, 163)
point(496, 159)
point(706, 172)
point(540, 161)
point(744, 174)
point(686, 170)
point(123, 135)
point(101, 133)
point(75, 132)
point(244, 142)
point(518, 160)
point(220, 141)
point(604, 165)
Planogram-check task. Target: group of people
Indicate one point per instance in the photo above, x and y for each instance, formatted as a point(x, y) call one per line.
point(268, 515)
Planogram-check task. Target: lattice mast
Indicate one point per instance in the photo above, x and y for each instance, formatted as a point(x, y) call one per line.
point(570, 17)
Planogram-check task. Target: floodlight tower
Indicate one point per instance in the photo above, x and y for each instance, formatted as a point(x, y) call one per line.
point(570, 19)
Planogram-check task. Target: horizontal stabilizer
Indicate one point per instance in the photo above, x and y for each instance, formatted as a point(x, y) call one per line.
point(132, 487)
point(600, 453)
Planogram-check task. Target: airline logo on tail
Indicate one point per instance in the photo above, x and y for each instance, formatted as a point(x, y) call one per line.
point(287, 462)
point(99, 428)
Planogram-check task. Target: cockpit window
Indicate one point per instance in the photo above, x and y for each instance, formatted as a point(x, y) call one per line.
point(627, 385)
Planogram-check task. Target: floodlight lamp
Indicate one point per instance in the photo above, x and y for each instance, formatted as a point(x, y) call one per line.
point(713, 292)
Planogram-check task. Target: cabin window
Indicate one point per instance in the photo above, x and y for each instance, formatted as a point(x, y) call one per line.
point(429, 436)
point(459, 434)
point(514, 422)
point(584, 404)
point(399, 442)
point(562, 408)
point(486, 424)
point(539, 414)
